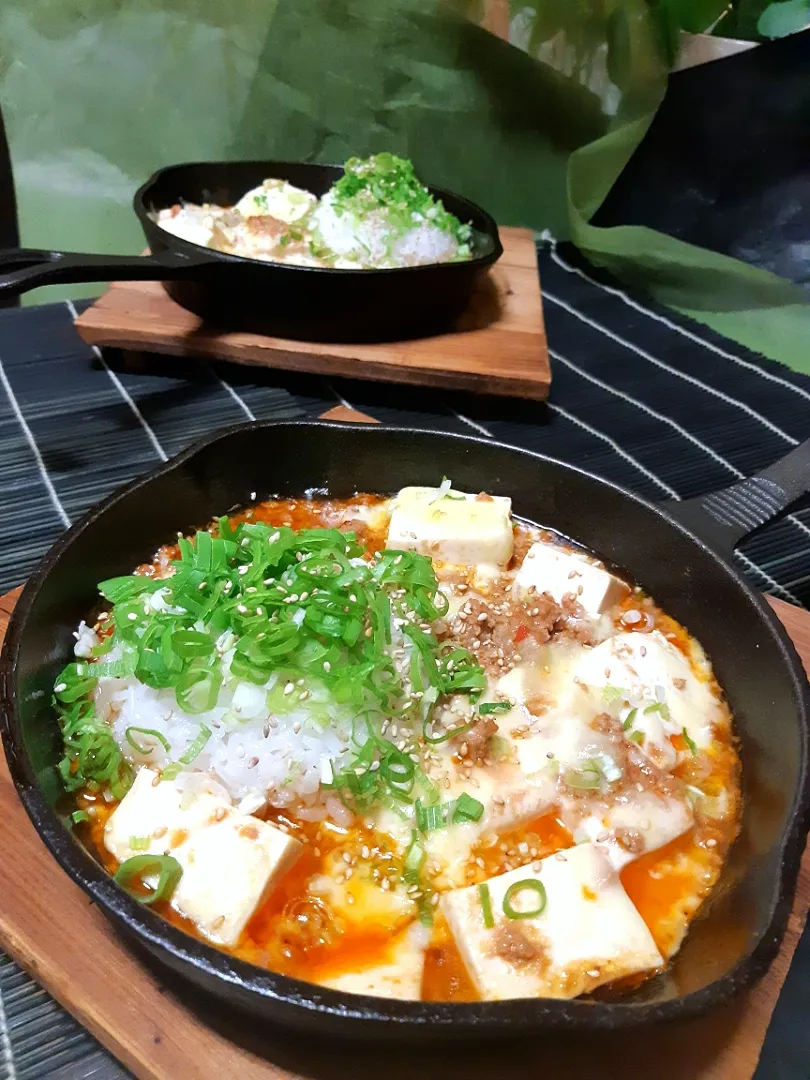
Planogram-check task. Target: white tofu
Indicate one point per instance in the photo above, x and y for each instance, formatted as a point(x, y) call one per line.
point(399, 977)
point(452, 527)
point(652, 672)
point(192, 225)
point(548, 568)
point(279, 199)
point(654, 820)
point(230, 861)
point(589, 932)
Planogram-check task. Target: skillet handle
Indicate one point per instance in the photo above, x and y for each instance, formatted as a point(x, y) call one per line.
point(22, 269)
point(726, 517)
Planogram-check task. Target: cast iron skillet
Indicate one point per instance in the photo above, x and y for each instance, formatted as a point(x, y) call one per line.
point(663, 548)
point(296, 301)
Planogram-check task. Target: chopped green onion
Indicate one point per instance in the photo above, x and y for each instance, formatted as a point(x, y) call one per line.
point(139, 843)
point(494, 706)
point(630, 718)
point(587, 778)
point(660, 708)
point(430, 818)
point(78, 816)
point(467, 809)
point(195, 749)
point(197, 689)
point(123, 589)
point(486, 905)
point(690, 742)
point(636, 737)
point(152, 733)
point(414, 857)
point(134, 870)
point(171, 771)
point(611, 694)
point(526, 885)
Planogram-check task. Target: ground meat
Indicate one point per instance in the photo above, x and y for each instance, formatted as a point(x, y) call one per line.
point(512, 945)
point(608, 725)
point(474, 744)
point(493, 628)
point(577, 625)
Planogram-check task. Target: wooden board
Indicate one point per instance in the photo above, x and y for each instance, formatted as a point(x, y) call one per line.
point(162, 1031)
point(498, 347)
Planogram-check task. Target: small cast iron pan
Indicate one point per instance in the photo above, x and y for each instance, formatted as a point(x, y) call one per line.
point(680, 553)
point(313, 303)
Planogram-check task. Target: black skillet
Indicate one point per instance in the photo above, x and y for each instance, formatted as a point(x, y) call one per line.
point(681, 553)
point(314, 303)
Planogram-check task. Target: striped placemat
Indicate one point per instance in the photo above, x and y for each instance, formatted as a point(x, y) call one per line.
point(639, 396)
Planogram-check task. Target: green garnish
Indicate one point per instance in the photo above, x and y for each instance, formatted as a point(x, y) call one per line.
point(494, 706)
point(304, 614)
point(388, 184)
point(139, 843)
point(660, 708)
point(467, 809)
point(412, 875)
point(92, 758)
point(152, 733)
point(78, 816)
point(486, 905)
point(195, 749)
point(588, 778)
point(134, 870)
point(526, 885)
point(690, 742)
point(631, 716)
point(636, 737)
point(611, 694)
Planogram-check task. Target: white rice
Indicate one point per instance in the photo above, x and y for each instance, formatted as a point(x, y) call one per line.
point(255, 756)
point(369, 239)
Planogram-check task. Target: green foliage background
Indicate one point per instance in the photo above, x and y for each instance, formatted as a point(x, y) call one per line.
point(97, 94)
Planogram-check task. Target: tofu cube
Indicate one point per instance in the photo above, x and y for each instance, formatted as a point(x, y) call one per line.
point(399, 976)
point(549, 568)
point(657, 680)
point(279, 199)
point(588, 933)
point(230, 861)
point(629, 829)
point(187, 224)
point(452, 527)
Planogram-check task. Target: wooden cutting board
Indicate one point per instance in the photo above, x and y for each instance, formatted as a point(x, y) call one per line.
point(162, 1031)
point(497, 347)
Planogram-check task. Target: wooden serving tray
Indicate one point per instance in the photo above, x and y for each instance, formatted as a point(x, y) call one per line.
point(498, 346)
point(161, 1030)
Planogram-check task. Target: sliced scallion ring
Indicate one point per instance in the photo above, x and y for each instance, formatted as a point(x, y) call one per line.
point(134, 870)
point(526, 885)
point(152, 733)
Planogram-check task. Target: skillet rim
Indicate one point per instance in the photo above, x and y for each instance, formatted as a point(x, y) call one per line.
point(256, 987)
point(478, 262)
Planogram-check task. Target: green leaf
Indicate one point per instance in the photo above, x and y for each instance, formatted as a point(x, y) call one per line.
point(784, 18)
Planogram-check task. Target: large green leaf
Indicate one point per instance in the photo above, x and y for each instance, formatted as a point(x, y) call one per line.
point(98, 93)
point(783, 18)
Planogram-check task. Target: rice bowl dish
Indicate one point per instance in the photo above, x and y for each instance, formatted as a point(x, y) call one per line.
point(378, 215)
